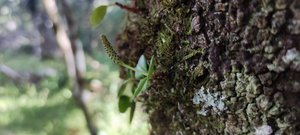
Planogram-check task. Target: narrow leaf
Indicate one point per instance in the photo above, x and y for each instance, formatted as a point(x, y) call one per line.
point(141, 67)
point(145, 86)
point(140, 87)
point(132, 89)
point(124, 103)
point(130, 74)
point(97, 15)
point(151, 67)
point(132, 110)
point(122, 88)
point(150, 71)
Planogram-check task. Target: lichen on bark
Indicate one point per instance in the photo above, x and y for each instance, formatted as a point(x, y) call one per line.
point(247, 51)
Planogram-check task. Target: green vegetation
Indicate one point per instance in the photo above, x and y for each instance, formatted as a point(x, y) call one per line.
point(47, 107)
point(42, 102)
point(141, 74)
point(98, 15)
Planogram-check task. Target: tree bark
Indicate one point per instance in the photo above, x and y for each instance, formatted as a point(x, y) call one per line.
point(222, 67)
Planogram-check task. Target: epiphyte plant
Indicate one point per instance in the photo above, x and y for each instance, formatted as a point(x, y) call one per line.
point(141, 73)
point(116, 58)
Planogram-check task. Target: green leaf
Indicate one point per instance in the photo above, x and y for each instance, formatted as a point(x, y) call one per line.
point(130, 74)
point(97, 15)
point(124, 103)
point(145, 85)
point(132, 89)
point(141, 67)
point(140, 87)
point(132, 110)
point(122, 88)
point(151, 67)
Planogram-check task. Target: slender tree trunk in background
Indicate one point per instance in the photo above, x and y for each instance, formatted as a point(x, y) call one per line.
point(74, 56)
point(222, 67)
point(47, 42)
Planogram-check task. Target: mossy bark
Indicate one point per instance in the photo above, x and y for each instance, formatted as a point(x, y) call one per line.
point(222, 67)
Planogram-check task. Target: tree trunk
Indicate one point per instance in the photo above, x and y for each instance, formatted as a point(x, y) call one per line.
point(222, 67)
point(74, 55)
point(47, 43)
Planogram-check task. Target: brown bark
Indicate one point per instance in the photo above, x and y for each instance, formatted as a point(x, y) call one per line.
point(222, 67)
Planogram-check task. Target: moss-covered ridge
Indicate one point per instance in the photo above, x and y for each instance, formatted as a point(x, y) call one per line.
point(242, 55)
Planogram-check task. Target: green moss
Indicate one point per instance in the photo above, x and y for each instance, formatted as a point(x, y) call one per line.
point(223, 56)
point(169, 3)
point(164, 46)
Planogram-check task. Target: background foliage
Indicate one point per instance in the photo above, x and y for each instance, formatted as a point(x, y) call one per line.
point(44, 106)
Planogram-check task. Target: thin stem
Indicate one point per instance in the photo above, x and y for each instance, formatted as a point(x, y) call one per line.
point(132, 9)
point(131, 68)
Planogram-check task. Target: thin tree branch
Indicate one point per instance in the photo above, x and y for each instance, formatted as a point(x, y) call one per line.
point(10, 73)
point(62, 37)
point(80, 63)
point(74, 55)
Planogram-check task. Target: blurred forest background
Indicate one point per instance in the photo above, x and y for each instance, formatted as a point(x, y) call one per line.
point(35, 96)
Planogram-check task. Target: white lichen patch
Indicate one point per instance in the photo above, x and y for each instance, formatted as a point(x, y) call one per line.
point(290, 55)
point(202, 112)
point(214, 101)
point(263, 130)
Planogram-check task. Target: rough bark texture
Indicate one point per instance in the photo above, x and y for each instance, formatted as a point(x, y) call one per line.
point(222, 67)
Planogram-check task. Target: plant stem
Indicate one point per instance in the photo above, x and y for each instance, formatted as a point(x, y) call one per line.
point(131, 68)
